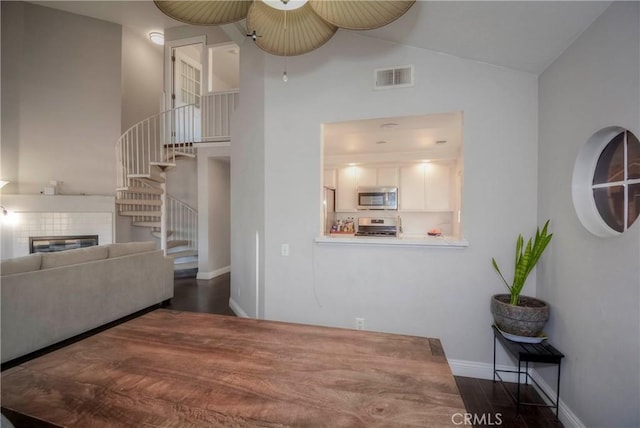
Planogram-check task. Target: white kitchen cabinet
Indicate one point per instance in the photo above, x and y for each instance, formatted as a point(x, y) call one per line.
point(437, 179)
point(425, 187)
point(412, 192)
point(366, 176)
point(346, 190)
point(329, 178)
point(387, 177)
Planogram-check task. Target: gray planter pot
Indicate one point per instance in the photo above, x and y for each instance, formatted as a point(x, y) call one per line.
point(527, 319)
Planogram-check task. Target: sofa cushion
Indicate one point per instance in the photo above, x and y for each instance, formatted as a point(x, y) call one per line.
point(126, 248)
point(72, 257)
point(21, 264)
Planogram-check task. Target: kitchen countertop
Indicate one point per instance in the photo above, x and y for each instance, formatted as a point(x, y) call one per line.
point(407, 240)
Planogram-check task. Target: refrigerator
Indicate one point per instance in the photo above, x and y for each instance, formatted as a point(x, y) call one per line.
point(329, 207)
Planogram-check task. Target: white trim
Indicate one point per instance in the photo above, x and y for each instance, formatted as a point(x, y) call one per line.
point(566, 416)
point(237, 309)
point(213, 274)
point(481, 370)
point(257, 275)
point(168, 46)
point(478, 370)
point(582, 182)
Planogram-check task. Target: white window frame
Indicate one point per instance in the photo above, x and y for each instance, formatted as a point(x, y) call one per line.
point(582, 183)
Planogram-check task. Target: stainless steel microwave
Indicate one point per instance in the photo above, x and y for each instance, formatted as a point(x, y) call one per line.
point(377, 198)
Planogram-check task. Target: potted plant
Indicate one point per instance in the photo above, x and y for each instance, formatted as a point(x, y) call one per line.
point(513, 313)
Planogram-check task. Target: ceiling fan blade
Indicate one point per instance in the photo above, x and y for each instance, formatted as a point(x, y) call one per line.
point(305, 30)
point(360, 14)
point(205, 12)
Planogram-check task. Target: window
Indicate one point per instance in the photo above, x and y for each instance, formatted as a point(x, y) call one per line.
point(190, 84)
point(612, 203)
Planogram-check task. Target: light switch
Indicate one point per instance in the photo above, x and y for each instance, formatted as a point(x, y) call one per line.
point(284, 250)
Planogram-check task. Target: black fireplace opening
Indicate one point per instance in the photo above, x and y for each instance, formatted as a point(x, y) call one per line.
point(51, 244)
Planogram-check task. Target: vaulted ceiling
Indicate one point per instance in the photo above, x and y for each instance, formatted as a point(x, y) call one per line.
point(522, 35)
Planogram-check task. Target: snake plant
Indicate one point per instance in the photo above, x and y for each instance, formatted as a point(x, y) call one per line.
point(526, 259)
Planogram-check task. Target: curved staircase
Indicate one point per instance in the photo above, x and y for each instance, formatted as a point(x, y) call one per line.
point(144, 154)
point(147, 150)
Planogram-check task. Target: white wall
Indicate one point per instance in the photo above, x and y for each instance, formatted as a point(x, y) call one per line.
point(219, 213)
point(248, 187)
point(62, 113)
point(142, 76)
point(142, 79)
point(592, 284)
point(424, 291)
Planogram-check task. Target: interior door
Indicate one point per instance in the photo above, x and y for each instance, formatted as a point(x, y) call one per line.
point(187, 89)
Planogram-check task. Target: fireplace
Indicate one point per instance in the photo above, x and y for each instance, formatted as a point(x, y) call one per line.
point(50, 244)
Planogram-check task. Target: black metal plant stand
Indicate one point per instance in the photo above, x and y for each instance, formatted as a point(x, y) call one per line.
point(527, 353)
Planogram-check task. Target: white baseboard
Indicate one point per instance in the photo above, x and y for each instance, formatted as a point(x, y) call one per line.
point(237, 309)
point(485, 371)
point(213, 274)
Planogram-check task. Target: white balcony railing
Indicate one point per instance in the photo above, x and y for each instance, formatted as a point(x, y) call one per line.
point(160, 138)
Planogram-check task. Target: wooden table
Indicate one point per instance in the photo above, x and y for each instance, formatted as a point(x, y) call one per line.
point(169, 368)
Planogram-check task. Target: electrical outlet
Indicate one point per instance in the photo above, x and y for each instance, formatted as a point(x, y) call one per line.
point(284, 249)
point(359, 323)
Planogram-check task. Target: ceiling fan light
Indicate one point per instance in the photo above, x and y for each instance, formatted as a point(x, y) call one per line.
point(285, 4)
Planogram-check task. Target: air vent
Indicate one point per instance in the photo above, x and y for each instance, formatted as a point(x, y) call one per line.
point(395, 77)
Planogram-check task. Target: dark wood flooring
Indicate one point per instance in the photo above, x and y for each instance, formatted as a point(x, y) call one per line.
point(484, 400)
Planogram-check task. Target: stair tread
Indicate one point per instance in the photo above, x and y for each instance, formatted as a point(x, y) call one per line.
point(184, 253)
point(145, 190)
point(147, 224)
point(177, 243)
point(147, 177)
point(141, 213)
point(151, 202)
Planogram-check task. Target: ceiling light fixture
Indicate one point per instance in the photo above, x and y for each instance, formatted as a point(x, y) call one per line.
point(310, 23)
point(390, 125)
point(157, 37)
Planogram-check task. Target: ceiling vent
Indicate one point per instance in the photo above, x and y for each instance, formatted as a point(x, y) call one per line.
point(394, 77)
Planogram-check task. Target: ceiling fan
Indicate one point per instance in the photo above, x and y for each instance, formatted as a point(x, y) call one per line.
point(288, 27)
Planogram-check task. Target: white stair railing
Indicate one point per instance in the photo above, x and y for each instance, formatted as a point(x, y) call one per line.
point(154, 141)
point(217, 109)
point(182, 222)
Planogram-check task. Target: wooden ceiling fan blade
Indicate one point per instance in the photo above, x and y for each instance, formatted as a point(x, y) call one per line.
point(212, 12)
point(360, 14)
point(304, 31)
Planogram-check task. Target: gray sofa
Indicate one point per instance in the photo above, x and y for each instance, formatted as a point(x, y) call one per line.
point(50, 297)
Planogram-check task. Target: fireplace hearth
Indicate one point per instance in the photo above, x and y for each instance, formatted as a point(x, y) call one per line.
point(51, 244)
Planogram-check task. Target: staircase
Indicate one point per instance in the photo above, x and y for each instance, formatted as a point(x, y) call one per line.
point(147, 150)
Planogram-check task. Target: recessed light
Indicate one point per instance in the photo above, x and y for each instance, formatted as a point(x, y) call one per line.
point(389, 125)
point(156, 37)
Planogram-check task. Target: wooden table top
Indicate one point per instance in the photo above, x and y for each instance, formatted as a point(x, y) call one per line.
point(169, 368)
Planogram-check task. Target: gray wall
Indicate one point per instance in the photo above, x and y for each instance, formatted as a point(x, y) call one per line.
point(61, 101)
point(592, 284)
point(219, 213)
point(142, 78)
point(432, 292)
point(247, 186)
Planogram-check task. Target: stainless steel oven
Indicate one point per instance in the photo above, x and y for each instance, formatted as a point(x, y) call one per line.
point(377, 198)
